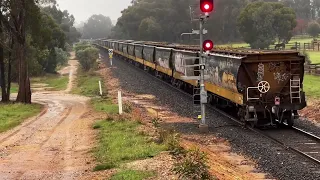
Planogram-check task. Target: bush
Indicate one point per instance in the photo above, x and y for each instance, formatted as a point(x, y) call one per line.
point(61, 56)
point(87, 55)
point(192, 165)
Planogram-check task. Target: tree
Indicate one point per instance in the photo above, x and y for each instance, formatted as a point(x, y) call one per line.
point(31, 42)
point(149, 29)
point(313, 29)
point(173, 17)
point(260, 23)
point(301, 26)
point(14, 16)
point(65, 21)
point(284, 22)
point(98, 26)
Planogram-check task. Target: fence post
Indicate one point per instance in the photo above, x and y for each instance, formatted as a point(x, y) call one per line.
point(120, 102)
point(100, 88)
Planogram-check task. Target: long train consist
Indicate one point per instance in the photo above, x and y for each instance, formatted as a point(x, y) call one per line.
point(263, 87)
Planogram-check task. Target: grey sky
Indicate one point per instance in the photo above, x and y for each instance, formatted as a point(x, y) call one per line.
point(83, 9)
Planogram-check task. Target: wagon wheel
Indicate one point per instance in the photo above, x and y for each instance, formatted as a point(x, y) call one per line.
point(263, 86)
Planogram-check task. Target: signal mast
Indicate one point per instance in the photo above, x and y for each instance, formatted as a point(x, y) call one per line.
point(206, 7)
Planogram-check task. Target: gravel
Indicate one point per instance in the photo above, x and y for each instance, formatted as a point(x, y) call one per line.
point(308, 126)
point(270, 157)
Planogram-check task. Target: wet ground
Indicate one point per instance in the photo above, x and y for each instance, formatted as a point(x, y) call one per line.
point(53, 145)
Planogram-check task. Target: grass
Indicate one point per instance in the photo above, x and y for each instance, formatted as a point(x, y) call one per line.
point(312, 86)
point(56, 82)
point(104, 105)
point(13, 89)
point(87, 84)
point(132, 175)
point(11, 115)
point(314, 56)
point(120, 142)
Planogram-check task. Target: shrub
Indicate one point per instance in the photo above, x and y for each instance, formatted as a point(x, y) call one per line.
point(192, 165)
point(87, 57)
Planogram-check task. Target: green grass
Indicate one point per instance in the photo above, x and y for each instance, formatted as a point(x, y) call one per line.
point(312, 86)
point(14, 88)
point(87, 84)
point(104, 105)
point(132, 175)
point(11, 115)
point(301, 40)
point(120, 142)
point(56, 82)
point(314, 56)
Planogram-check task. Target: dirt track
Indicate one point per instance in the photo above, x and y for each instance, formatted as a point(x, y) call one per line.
point(53, 145)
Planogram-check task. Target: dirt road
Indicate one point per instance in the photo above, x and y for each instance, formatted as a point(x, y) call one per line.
point(53, 145)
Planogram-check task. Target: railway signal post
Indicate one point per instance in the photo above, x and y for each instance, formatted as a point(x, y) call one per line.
point(206, 7)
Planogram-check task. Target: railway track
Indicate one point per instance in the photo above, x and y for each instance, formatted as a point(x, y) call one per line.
point(296, 140)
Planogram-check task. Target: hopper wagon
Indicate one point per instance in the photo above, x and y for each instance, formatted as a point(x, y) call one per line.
point(262, 87)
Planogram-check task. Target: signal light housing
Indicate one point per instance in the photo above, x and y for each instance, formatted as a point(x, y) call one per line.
point(206, 6)
point(207, 45)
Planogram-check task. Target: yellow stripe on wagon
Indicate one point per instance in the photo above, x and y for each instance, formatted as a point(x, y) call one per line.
point(139, 60)
point(223, 92)
point(132, 57)
point(164, 70)
point(150, 64)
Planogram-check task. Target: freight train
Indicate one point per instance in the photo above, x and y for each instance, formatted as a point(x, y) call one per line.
point(263, 87)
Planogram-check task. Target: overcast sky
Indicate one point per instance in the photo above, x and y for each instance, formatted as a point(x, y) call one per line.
point(83, 9)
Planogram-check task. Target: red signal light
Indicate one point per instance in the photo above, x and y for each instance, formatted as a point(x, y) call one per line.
point(207, 45)
point(206, 6)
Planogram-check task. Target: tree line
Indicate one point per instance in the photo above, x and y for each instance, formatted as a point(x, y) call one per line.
point(35, 37)
point(165, 21)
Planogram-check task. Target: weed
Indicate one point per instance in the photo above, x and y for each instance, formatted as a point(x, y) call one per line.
point(110, 118)
point(101, 167)
point(127, 107)
point(171, 139)
point(132, 175)
point(97, 126)
point(155, 122)
point(192, 165)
